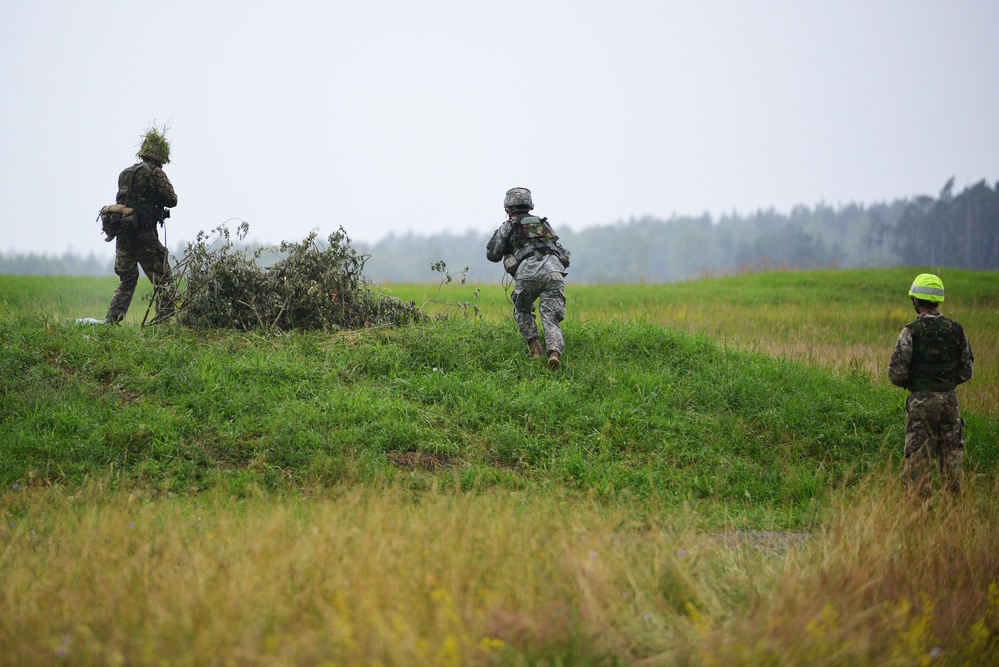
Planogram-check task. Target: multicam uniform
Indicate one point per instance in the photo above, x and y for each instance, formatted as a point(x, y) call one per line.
point(932, 356)
point(145, 187)
point(539, 276)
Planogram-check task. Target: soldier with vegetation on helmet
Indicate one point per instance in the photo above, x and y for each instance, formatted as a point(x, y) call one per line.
point(932, 356)
point(531, 253)
point(144, 195)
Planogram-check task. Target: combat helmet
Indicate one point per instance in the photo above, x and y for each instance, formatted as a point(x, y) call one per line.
point(155, 146)
point(927, 287)
point(518, 197)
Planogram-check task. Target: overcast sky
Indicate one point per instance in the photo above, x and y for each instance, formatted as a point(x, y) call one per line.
point(392, 116)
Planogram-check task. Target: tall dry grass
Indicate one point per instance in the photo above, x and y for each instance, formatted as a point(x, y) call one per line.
point(366, 578)
point(380, 577)
point(888, 580)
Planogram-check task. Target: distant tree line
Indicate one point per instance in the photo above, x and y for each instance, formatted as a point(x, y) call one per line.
point(650, 249)
point(951, 231)
point(67, 264)
point(959, 231)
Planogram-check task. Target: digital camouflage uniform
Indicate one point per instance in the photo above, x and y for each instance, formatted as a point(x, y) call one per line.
point(145, 187)
point(539, 276)
point(932, 356)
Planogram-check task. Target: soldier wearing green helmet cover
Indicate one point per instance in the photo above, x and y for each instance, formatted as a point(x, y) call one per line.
point(932, 356)
point(531, 253)
point(145, 188)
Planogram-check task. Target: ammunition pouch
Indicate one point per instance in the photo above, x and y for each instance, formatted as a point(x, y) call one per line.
point(116, 219)
point(543, 248)
point(525, 251)
point(562, 254)
point(932, 377)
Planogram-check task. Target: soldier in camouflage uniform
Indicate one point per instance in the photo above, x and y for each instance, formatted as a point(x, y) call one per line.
point(145, 188)
point(531, 253)
point(932, 356)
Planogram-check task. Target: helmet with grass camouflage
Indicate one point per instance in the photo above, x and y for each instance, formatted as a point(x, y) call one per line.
point(927, 287)
point(155, 146)
point(518, 197)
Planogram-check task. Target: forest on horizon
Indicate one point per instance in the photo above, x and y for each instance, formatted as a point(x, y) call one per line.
point(947, 231)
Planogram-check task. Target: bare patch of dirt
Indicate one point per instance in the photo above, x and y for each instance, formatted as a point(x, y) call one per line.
point(777, 542)
point(422, 460)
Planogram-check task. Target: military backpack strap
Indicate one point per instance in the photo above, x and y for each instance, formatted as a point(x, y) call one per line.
point(535, 236)
point(126, 182)
point(128, 194)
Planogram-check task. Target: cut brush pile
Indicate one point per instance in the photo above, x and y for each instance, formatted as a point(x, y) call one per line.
point(218, 285)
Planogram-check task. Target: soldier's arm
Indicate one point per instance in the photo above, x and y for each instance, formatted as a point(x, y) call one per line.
point(966, 366)
point(901, 357)
point(497, 246)
point(165, 188)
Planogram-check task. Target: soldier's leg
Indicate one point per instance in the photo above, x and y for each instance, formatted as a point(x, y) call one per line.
point(156, 265)
point(919, 436)
point(126, 266)
point(523, 296)
point(551, 304)
point(952, 445)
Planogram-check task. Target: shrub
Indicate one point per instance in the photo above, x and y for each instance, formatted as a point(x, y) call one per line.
point(309, 286)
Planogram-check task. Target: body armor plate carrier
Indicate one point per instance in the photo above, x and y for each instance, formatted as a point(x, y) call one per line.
point(936, 353)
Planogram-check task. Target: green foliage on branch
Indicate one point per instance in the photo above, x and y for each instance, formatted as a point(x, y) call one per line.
point(311, 286)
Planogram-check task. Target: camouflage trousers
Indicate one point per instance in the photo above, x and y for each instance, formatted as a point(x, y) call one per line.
point(549, 291)
point(933, 430)
point(132, 250)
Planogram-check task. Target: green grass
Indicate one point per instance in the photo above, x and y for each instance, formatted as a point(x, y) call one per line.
point(844, 320)
point(638, 411)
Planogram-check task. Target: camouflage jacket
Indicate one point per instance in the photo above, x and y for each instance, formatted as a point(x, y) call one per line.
point(932, 354)
point(145, 187)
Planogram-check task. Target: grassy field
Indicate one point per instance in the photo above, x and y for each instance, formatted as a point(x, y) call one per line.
point(711, 478)
point(838, 319)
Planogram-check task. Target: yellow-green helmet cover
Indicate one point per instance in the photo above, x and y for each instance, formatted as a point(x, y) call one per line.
point(927, 287)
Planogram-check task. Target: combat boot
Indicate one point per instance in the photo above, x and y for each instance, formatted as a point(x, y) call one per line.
point(553, 362)
point(536, 350)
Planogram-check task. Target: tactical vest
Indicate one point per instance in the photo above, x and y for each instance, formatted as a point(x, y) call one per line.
point(937, 343)
point(532, 234)
point(137, 190)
